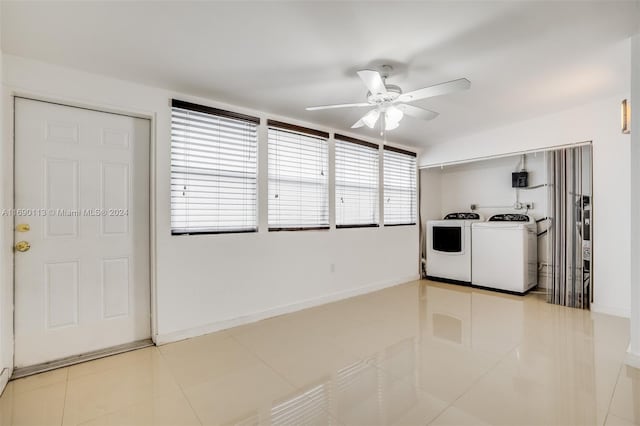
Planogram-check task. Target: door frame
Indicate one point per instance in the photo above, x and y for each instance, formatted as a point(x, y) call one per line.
point(109, 109)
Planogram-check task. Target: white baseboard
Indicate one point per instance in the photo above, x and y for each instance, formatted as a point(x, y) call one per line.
point(632, 359)
point(4, 378)
point(175, 336)
point(610, 310)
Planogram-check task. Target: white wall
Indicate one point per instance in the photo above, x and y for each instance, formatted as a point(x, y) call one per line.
point(430, 194)
point(208, 282)
point(488, 185)
point(634, 347)
point(430, 201)
point(599, 122)
point(6, 320)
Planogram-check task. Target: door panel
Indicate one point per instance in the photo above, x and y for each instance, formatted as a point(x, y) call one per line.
point(82, 186)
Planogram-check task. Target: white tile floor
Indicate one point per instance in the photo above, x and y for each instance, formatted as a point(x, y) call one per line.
point(421, 353)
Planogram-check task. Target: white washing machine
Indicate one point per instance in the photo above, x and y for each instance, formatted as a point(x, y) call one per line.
point(505, 253)
point(449, 248)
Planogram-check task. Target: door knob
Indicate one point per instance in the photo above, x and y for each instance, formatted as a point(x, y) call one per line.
point(22, 246)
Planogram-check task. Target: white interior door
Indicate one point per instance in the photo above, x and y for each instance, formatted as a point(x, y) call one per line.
point(82, 187)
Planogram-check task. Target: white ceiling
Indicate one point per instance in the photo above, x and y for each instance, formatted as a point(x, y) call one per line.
point(524, 59)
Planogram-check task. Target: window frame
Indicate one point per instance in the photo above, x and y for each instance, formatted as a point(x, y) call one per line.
point(305, 131)
point(415, 190)
point(343, 138)
point(176, 103)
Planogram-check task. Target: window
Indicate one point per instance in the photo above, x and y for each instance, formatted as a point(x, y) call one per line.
point(213, 170)
point(357, 171)
point(298, 178)
point(399, 187)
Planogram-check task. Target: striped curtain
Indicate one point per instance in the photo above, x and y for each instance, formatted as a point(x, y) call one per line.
point(569, 204)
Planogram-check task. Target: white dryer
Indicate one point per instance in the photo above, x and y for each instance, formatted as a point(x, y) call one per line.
point(449, 248)
point(505, 253)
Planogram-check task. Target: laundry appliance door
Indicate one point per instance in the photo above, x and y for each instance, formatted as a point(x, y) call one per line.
point(449, 250)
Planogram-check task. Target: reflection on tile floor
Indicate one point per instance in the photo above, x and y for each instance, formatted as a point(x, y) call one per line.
point(420, 353)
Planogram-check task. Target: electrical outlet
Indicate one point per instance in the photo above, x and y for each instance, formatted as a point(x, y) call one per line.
point(522, 206)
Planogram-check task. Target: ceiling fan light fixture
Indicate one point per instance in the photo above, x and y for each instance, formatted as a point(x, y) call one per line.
point(371, 118)
point(394, 113)
point(390, 125)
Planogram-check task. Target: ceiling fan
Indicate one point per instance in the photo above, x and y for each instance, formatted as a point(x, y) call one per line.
point(390, 103)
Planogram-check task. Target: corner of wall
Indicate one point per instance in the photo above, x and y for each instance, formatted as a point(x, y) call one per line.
point(634, 293)
point(6, 340)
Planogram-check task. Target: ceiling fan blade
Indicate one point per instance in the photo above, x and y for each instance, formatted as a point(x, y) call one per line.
point(373, 81)
point(421, 113)
point(437, 90)
point(359, 104)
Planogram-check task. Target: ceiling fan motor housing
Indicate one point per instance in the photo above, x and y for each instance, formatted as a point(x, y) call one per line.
point(389, 96)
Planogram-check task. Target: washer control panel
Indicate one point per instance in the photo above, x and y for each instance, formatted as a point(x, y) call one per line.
point(509, 217)
point(462, 216)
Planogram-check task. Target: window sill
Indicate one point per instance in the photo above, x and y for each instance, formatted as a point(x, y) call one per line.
point(314, 228)
point(371, 225)
point(237, 231)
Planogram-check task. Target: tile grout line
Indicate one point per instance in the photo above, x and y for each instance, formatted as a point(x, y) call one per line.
point(195, 413)
point(419, 389)
point(475, 382)
point(483, 375)
point(13, 411)
point(82, 376)
point(606, 415)
point(295, 387)
point(64, 401)
point(264, 362)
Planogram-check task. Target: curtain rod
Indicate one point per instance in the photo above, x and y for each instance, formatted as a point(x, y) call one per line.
point(510, 154)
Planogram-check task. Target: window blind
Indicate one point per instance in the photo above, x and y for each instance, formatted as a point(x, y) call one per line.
point(357, 185)
point(298, 178)
point(213, 170)
point(399, 170)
